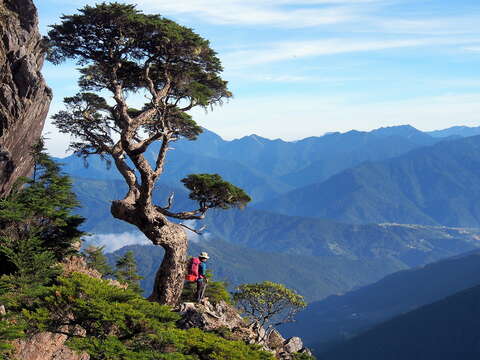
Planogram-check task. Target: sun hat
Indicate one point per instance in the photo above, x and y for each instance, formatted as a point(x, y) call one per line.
point(204, 255)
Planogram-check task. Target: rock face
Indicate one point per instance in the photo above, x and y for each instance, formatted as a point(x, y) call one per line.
point(24, 96)
point(46, 346)
point(225, 320)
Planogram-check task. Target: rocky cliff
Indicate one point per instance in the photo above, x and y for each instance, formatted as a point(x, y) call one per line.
point(24, 96)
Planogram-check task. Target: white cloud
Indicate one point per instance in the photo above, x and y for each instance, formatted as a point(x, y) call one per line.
point(283, 13)
point(193, 236)
point(114, 242)
point(290, 50)
point(427, 26)
point(283, 78)
point(472, 48)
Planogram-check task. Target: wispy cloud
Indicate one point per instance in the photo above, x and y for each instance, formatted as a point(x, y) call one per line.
point(291, 50)
point(114, 242)
point(472, 48)
point(455, 25)
point(282, 13)
point(193, 236)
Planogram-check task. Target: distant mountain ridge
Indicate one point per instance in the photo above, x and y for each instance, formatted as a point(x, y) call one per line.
point(347, 315)
point(267, 168)
point(456, 131)
point(433, 185)
point(384, 182)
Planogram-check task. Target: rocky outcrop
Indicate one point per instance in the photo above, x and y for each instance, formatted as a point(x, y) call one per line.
point(24, 96)
point(226, 321)
point(46, 346)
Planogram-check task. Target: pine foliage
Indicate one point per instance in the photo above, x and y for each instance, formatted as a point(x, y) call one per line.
point(40, 208)
point(127, 272)
point(37, 230)
point(97, 260)
point(8, 331)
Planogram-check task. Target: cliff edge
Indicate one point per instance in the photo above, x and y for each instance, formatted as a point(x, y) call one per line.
point(24, 96)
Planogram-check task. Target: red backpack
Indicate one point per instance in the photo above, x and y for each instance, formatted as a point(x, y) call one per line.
point(192, 269)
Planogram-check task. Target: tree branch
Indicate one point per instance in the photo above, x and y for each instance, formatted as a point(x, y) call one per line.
point(142, 146)
point(185, 215)
point(189, 107)
point(170, 202)
point(199, 231)
point(125, 170)
point(122, 106)
point(160, 162)
point(147, 177)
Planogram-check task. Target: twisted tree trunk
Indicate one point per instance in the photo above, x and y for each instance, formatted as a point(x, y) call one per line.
point(169, 279)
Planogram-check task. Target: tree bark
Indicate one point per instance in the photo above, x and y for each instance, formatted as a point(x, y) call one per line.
point(170, 276)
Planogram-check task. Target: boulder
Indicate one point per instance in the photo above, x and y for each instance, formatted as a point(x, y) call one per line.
point(209, 316)
point(275, 340)
point(46, 346)
point(293, 345)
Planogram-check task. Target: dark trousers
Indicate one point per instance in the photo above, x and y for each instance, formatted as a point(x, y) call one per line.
point(201, 285)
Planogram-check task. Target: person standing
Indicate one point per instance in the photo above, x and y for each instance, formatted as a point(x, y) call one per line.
point(202, 279)
point(197, 272)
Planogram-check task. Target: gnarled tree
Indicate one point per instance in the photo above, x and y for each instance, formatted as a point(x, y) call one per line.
point(123, 51)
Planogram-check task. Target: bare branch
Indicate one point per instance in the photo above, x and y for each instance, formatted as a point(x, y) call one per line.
point(119, 98)
point(127, 172)
point(151, 85)
point(142, 146)
point(199, 231)
point(193, 103)
point(170, 201)
point(185, 215)
point(160, 162)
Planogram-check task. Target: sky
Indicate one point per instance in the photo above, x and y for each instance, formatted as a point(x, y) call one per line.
point(300, 68)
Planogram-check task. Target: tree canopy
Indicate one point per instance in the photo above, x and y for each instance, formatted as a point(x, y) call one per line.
point(124, 51)
point(268, 303)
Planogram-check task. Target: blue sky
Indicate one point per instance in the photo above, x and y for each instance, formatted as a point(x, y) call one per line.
point(299, 68)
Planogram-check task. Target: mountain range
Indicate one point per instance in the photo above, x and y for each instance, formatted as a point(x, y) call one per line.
point(344, 316)
point(434, 185)
point(237, 265)
point(267, 168)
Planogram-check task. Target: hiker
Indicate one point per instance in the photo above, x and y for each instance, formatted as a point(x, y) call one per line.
point(197, 272)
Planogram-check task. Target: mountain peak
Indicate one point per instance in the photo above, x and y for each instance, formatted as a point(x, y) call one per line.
point(396, 130)
point(253, 138)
